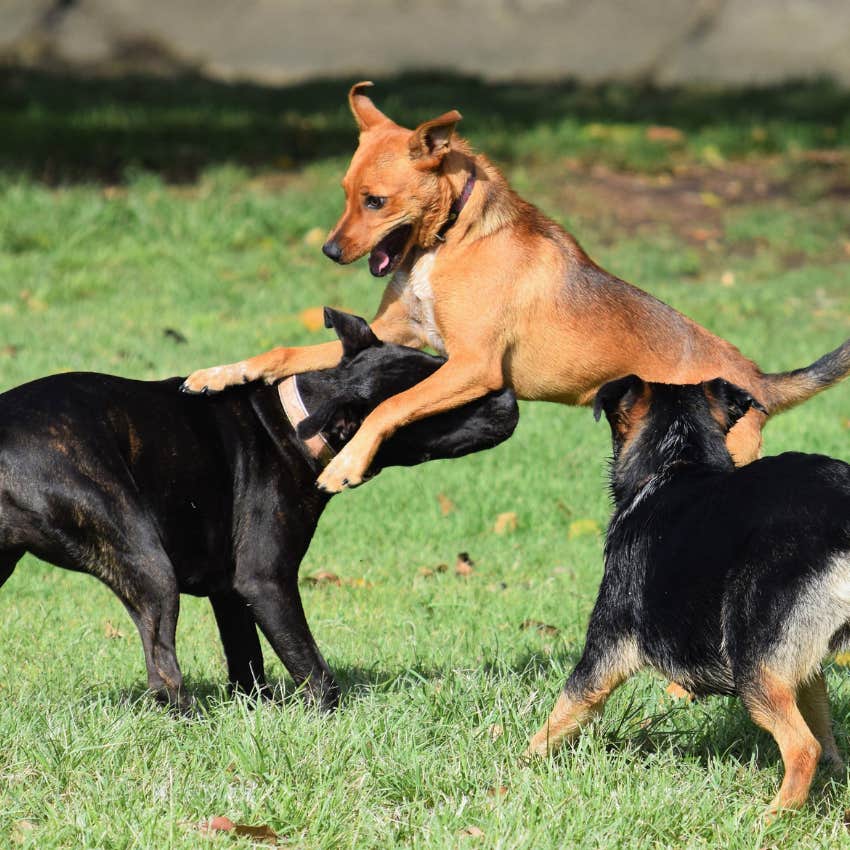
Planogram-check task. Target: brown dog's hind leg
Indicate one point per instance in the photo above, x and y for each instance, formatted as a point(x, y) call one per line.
point(772, 704)
point(813, 702)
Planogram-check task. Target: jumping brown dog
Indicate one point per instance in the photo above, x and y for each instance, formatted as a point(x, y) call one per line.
point(485, 278)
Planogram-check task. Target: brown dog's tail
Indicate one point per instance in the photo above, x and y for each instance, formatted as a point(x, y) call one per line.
point(783, 390)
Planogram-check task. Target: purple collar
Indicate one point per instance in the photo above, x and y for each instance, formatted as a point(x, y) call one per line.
point(457, 205)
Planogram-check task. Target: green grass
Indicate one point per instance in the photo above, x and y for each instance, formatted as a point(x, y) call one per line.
point(442, 686)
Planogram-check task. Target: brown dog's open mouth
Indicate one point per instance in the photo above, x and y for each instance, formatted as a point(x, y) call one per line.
point(387, 254)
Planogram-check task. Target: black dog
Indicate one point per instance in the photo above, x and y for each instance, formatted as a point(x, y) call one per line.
point(158, 494)
point(730, 581)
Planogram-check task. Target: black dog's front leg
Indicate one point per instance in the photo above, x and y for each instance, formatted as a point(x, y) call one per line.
point(241, 644)
point(276, 606)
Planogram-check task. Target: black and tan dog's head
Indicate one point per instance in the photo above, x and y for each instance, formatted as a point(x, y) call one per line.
point(654, 426)
point(372, 371)
point(397, 194)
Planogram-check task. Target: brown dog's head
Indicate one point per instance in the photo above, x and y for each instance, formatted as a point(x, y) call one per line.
point(397, 194)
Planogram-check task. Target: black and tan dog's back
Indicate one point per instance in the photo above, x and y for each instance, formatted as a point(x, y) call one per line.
point(156, 493)
point(730, 581)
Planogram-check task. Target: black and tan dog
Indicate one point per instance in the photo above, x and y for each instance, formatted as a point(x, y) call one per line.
point(158, 494)
point(730, 581)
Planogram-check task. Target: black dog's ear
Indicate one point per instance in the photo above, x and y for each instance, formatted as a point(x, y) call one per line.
point(337, 420)
point(613, 395)
point(730, 401)
point(353, 331)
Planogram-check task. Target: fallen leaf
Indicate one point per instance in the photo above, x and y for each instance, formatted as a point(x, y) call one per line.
point(505, 523)
point(425, 572)
point(221, 823)
point(464, 565)
point(174, 336)
point(20, 831)
point(472, 831)
point(497, 791)
point(112, 632)
point(711, 199)
point(582, 528)
point(441, 568)
point(313, 318)
point(323, 577)
point(727, 279)
point(314, 237)
point(216, 824)
point(660, 133)
point(704, 234)
point(446, 504)
point(540, 626)
point(9, 350)
point(496, 731)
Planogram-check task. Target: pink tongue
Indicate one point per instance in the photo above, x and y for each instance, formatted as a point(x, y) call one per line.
point(382, 260)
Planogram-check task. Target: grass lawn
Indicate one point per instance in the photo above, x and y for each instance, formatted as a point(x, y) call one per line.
point(132, 210)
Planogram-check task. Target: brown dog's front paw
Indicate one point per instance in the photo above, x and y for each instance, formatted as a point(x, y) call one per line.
point(215, 379)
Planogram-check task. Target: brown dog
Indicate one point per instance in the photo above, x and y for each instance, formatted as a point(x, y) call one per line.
point(485, 278)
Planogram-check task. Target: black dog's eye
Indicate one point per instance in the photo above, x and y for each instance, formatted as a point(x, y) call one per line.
point(374, 202)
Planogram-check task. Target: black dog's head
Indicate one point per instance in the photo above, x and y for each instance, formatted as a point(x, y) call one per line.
point(654, 426)
point(371, 371)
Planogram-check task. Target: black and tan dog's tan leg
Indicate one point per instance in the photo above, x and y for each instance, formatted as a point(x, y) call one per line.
point(584, 696)
point(391, 324)
point(772, 704)
point(813, 702)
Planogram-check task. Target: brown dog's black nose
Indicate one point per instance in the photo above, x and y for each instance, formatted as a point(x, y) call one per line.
point(331, 249)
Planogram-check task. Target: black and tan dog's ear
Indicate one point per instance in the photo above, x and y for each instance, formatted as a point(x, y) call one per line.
point(729, 402)
point(353, 331)
point(431, 141)
point(365, 113)
point(617, 397)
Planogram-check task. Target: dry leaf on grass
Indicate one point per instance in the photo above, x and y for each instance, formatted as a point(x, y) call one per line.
point(112, 632)
point(314, 237)
point(465, 565)
point(505, 523)
point(313, 318)
point(21, 831)
point(323, 577)
point(472, 831)
point(582, 528)
point(446, 504)
point(497, 791)
point(543, 628)
point(727, 279)
point(671, 135)
point(263, 834)
point(496, 731)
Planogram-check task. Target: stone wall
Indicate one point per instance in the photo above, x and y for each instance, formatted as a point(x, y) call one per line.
point(277, 41)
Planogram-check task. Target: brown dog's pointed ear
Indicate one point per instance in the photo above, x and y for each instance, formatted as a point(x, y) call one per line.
point(365, 113)
point(729, 402)
point(615, 396)
point(353, 331)
point(431, 141)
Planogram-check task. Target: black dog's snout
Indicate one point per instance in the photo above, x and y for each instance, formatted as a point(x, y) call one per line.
point(332, 250)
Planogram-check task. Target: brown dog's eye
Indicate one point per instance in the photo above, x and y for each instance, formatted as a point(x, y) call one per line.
point(374, 202)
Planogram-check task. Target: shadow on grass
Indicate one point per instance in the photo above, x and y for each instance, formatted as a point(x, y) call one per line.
point(60, 129)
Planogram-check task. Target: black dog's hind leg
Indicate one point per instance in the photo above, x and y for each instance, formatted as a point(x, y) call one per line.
point(154, 605)
point(241, 644)
point(813, 701)
point(8, 562)
point(276, 606)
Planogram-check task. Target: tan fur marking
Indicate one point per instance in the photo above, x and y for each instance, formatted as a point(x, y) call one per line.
point(772, 705)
